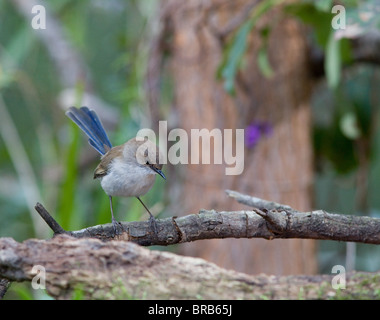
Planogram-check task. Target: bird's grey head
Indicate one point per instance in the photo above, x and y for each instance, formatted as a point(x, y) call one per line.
point(145, 153)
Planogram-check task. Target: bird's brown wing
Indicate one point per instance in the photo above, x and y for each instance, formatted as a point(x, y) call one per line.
point(100, 171)
point(103, 167)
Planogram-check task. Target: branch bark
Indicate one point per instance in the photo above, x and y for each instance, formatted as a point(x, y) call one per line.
point(4, 285)
point(268, 220)
point(77, 263)
point(94, 269)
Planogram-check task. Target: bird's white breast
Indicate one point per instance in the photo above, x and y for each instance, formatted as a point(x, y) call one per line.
point(127, 180)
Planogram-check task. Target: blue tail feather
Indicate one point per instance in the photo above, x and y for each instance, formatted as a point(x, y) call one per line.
point(98, 126)
point(91, 125)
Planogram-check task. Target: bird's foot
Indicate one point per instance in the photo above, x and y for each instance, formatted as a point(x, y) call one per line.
point(117, 227)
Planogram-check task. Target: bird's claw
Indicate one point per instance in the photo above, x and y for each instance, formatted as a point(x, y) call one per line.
point(117, 227)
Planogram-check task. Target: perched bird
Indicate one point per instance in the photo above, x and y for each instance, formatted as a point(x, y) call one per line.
point(128, 170)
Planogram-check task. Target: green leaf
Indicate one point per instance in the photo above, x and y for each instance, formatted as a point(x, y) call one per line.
point(309, 14)
point(14, 54)
point(234, 52)
point(323, 5)
point(68, 188)
point(66, 210)
point(234, 57)
point(349, 126)
point(333, 61)
point(23, 292)
point(263, 62)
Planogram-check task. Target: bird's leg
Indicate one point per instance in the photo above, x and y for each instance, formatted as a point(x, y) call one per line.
point(152, 220)
point(115, 223)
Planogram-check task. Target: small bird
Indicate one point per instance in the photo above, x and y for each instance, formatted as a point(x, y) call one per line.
point(128, 170)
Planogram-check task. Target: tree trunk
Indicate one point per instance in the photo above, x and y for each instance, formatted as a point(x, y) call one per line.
point(279, 167)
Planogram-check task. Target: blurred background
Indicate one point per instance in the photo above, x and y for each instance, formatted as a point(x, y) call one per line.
point(306, 94)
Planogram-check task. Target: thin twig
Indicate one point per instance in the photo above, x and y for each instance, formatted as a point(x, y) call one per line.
point(257, 202)
point(45, 215)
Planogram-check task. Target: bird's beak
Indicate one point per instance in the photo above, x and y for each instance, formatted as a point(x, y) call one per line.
point(159, 172)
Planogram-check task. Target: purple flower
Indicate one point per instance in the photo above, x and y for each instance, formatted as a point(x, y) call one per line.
point(255, 131)
point(252, 135)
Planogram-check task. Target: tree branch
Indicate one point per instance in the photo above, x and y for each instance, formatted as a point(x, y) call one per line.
point(268, 220)
point(4, 285)
point(95, 269)
point(121, 269)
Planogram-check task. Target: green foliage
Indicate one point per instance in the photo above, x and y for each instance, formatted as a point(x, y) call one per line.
point(20, 291)
point(262, 56)
point(111, 39)
point(234, 51)
point(337, 51)
point(315, 16)
point(335, 146)
point(78, 293)
point(353, 117)
point(314, 13)
point(66, 199)
point(333, 62)
point(233, 57)
point(363, 17)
